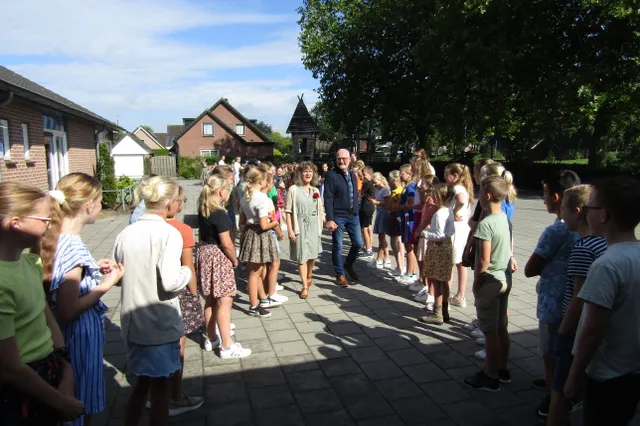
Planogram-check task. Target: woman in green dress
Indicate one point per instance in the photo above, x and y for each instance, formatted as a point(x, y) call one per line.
point(305, 219)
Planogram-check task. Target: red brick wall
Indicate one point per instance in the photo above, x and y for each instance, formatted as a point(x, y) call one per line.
point(81, 146)
point(33, 172)
point(193, 141)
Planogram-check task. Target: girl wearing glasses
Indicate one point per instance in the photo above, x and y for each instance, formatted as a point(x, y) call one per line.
point(38, 385)
point(75, 284)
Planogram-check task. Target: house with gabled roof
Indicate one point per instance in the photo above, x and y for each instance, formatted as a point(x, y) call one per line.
point(44, 136)
point(223, 130)
point(148, 138)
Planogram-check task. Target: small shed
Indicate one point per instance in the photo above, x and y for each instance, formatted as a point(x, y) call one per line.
point(128, 156)
point(304, 133)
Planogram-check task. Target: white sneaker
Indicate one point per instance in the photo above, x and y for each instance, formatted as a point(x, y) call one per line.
point(278, 297)
point(476, 333)
point(461, 303)
point(279, 288)
point(416, 287)
point(481, 355)
point(480, 341)
point(376, 264)
point(407, 279)
point(233, 333)
point(274, 300)
point(422, 296)
point(430, 299)
point(398, 272)
point(472, 325)
point(209, 346)
point(234, 351)
point(430, 306)
point(233, 326)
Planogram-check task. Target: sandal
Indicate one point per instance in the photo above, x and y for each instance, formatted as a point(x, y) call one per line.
point(309, 282)
point(304, 293)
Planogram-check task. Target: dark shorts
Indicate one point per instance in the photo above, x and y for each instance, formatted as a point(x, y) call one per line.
point(395, 224)
point(366, 218)
point(564, 358)
point(611, 402)
point(492, 302)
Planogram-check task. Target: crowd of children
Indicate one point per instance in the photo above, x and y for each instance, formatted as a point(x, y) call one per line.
point(52, 335)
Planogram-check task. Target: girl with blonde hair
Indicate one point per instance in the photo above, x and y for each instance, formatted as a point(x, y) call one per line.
point(37, 379)
point(381, 225)
point(395, 222)
point(152, 326)
point(216, 262)
point(75, 284)
point(407, 216)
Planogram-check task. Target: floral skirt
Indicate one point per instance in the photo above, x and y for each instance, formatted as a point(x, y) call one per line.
point(215, 272)
point(438, 260)
point(257, 246)
point(191, 309)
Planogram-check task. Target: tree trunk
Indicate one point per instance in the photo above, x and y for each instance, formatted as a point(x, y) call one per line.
point(599, 139)
point(424, 140)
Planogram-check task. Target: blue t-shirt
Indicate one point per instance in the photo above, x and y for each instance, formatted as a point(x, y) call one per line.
point(555, 245)
point(409, 192)
point(139, 211)
point(508, 209)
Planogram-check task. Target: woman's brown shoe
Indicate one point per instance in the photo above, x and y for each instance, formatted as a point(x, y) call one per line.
point(304, 293)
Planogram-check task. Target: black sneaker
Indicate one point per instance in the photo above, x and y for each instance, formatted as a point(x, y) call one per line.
point(543, 408)
point(540, 384)
point(504, 376)
point(483, 382)
point(259, 311)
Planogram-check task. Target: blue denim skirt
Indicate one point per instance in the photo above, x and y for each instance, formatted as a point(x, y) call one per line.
point(154, 360)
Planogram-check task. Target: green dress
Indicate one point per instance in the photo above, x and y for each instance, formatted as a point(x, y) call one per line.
point(307, 245)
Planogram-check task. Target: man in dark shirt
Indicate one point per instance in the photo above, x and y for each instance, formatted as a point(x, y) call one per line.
point(342, 208)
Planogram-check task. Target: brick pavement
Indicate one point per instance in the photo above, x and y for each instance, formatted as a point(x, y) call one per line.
point(353, 356)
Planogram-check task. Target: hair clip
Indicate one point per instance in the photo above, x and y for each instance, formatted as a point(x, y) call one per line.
point(57, 195)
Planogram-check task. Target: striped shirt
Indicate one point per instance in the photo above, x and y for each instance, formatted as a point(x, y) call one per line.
point(85, 335)
point(584, 253)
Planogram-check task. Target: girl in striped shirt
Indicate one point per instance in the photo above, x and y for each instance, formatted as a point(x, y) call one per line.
point(76, 282)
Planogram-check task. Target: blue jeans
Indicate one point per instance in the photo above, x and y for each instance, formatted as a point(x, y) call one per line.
point(352, 225)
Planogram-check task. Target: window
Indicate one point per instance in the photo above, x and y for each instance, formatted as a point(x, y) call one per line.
point(240, 129)
point(209, 153)
point(207, 129)
point(25, 141)
point(5, 145)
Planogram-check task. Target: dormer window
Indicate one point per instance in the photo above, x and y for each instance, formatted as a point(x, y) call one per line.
point(240, 130)
point(207, 129)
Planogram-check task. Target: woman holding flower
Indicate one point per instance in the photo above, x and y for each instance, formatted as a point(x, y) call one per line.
point(305, 218)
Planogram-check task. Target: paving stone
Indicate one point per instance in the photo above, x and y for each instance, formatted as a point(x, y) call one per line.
point(470, 413)
point(272, 396)
point(366, 405)
point(345, 329)
point(382, 421)
point(355, 340)
point(318, 401)
point(328, 309)
point(367, 354)
point(291, 348)
point(236, 413)
point(307, 380)
point(352, 384)
point(264, 377)
point(281, 324)
point(257, 332)
point(425, 373)
point(325, 352)
point(398, 388)
point(259, 360)
point(258, 345)
point(311, 327)
point(448, 360)
point(279, 416)
point(418, 410)
point(330, 418)
point(392, 343)
point(340, 366)
point(446, 391)
point(379, 370)
point(225, 393)
point(283, 336)
point(297, 363)
point(406, 357)
point(317, 339)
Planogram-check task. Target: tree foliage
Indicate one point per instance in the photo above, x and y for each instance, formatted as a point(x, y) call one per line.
point(265, 128)
point(147, 128)
point(472, 71)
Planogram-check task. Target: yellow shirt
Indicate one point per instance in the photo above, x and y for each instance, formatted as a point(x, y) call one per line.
point(22, 302)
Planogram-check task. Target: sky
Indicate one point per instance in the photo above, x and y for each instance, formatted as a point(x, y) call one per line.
point(154, 62)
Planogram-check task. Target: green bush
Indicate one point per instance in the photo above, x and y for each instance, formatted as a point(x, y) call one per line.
point(161, 152)
point(106, 174)
point(278, 158)
point(212, 160)
point(147, 166)
point(190, 167)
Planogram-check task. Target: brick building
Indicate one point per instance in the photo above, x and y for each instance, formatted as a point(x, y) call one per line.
point(223, 130)
point(44, 136)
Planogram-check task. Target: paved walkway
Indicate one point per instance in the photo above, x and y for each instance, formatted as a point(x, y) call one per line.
point(345, 356)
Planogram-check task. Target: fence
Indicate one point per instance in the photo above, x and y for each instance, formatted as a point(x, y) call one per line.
point(163, 166)
point(125, 195)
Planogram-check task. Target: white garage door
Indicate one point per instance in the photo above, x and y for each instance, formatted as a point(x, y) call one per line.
point(129, 165)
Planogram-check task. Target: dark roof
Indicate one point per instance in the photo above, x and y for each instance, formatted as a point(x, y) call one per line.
point(175, 129)
point(162, 138)
point(245, 121)
point(302, 122)
point(27, 89)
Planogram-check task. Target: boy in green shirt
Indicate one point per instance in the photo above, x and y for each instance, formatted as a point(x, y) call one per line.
point(493, 240)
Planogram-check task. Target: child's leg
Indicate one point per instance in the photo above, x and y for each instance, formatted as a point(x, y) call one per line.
point(213, 320)
point(492, 347)
point(462, 281)
point(445, 300)
point(160, 388)
point(399, 251)
point(272, 276)
point(176, 379)
point(208, 314)
point(137, 400)
point(254, 283)
point(370, 234)
point(223, 317)
point(383, 252)
point(412, 260)
point(302, 271)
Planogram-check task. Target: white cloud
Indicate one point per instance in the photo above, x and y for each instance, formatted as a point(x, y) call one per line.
point(119, 59)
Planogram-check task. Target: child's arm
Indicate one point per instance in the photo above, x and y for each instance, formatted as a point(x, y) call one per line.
point(226, 244)
point(549, 243)
point(186, 259)
point(173, 276)
point(265, 225)
point(483, 260)
point(571, 318)
point(460, 202)
point(535, 265)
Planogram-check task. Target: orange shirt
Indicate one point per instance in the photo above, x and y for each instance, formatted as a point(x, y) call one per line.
point(185, 232)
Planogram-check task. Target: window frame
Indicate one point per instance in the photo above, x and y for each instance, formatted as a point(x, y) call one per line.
point(213, 129)
point(6, 141)
point(244, 129)
point(25, 142)
point(212, 153)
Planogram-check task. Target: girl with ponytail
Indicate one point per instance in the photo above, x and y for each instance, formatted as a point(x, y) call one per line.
point(76, 283)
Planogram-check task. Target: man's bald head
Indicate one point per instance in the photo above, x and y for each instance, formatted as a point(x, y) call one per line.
point(342, 159)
